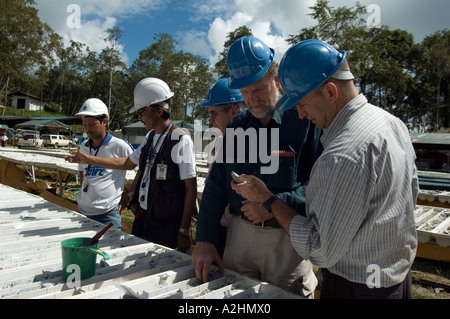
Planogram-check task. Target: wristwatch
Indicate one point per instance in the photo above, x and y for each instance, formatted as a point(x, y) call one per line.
point(184, 231)
point(130, 194)
point(268, 203)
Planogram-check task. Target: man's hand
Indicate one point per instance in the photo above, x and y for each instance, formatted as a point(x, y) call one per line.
point(203, 256)
point(124, 201)
point(255, 212)
point(183, 242)
point(252, 189)
point(77, 157)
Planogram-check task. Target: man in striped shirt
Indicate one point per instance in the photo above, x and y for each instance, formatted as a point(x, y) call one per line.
point(360, 200)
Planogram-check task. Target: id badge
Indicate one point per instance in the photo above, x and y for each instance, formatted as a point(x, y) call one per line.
point(161, 172)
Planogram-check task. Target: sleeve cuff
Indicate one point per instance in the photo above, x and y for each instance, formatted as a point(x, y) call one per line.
point(299, 232)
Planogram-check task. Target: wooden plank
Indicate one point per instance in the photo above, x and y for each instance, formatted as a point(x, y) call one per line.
point(433, 252)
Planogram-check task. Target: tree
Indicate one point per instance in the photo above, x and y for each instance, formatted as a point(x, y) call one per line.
point(186, 74)
point(70, 61)
point(24, 41)
point(113, 37)
point(382, 67)
point(378, 56)
point(437, 58)
point(334, 26)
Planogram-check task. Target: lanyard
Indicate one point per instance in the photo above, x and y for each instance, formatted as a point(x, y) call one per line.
point(86, 185)
point(96, 151)
point(152, 156)
point(95, 155)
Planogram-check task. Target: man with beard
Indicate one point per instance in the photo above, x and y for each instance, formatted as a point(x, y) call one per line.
point(260, 250)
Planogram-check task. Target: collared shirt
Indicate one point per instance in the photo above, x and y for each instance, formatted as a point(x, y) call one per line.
point(104, 187)
point(281, 154)
point(360, 199)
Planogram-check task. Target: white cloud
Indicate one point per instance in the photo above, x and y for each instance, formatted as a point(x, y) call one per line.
point(202, 26)
point(195, 43)
point(91, 32)
point(272, 21)
point(95, 18)
point(207, 10)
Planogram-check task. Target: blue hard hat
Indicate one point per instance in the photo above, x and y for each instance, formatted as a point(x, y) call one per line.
point(304, 68)
point(220, 93)
point(248, 60)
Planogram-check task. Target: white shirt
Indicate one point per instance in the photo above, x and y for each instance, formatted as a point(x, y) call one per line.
point(104, 186)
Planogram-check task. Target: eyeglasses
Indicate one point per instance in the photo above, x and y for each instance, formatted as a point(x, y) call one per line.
point(213, 114)
point(141, 111)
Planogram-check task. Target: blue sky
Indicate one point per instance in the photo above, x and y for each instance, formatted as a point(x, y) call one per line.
point(201, 26)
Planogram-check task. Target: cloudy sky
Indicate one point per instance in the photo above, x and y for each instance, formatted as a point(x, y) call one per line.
point(201, 26)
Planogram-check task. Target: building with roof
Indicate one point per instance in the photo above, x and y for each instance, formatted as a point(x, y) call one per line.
point(26, 101)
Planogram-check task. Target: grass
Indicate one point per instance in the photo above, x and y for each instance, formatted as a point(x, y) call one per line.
point(128, 216)
point(71, 194)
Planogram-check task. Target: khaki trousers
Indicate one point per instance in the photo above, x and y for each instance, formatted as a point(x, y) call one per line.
point(266, 254)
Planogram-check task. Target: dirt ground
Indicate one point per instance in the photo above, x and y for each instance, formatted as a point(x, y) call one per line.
point(431, 279)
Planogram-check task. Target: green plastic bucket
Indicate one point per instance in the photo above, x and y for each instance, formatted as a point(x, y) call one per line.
point(85, 257)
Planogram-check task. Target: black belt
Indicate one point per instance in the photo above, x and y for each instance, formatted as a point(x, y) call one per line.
point(268, 223)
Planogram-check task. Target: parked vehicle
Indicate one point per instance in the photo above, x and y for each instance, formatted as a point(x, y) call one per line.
point(55, 141)
point(30, 140)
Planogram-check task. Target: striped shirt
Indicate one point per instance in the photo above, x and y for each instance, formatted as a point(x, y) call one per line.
point(360, 199)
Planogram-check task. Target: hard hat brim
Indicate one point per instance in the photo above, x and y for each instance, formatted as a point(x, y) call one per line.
point(81, 114)
point(206, 103)
point(246, 81)
point(214, 103)
point(285, 103)
point(135, 108)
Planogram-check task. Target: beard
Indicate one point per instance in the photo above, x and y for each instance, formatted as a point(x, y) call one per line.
point(260, 111)
point(263, 108)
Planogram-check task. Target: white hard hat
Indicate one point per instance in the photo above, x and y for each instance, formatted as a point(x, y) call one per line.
point(93, 107)
point(151, 91)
